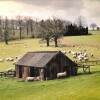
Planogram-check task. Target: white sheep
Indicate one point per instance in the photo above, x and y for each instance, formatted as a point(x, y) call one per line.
point(30, 78)
point(38, 78)
point(63, 74)
point(80, 57)
point(85, 54)
point(86, 58)
point(1, 60)
point(64, 52)
point(9, 59)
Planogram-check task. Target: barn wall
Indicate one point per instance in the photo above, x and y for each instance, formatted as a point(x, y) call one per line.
point(17, 71)
point(26, 72)
point(56, 65)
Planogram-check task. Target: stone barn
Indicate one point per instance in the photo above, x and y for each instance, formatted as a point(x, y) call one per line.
point(45, 64)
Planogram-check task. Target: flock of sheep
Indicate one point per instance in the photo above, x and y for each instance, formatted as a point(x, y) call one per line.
point(10, 59)
point(39, 78)
point(79, 56)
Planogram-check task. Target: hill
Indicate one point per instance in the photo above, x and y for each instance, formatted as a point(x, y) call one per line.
point(84, 87)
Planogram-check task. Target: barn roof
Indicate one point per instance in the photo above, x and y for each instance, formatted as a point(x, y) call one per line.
point(37, 59)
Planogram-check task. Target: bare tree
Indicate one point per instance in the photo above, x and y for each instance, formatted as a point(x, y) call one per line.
point(93, 25)
point(57, 30)
point(27, 24)
point(46, 31)
point(13, 26)
point(19, 19)
point(81, 21)
point(0, 27)
point(6, 30)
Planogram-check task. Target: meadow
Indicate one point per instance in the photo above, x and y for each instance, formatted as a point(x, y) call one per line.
point(81, 87)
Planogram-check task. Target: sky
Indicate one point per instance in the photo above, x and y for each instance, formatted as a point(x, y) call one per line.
point(43, 9)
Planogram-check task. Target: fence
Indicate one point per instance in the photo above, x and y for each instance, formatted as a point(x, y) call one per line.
point(10, 73)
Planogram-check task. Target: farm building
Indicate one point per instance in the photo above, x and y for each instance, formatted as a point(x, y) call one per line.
point(45, 64)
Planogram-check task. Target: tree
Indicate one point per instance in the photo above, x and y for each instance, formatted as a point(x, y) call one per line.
point(13, 26)
point(19, 20)
point(0, 27)
point(57, 30)
point(93, 25)
point(6, 31)
point(27, 19)
point(81, 21)
point(46, 32)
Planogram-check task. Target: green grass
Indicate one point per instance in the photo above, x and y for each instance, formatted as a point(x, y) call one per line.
point(82, 87)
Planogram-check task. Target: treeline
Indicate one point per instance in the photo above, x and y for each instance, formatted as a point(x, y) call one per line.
point(25, 27)
point(73, 29)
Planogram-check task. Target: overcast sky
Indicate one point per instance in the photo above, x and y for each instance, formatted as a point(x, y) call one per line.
point(66, 9)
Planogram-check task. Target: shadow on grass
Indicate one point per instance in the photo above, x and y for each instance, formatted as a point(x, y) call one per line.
point(79, 35)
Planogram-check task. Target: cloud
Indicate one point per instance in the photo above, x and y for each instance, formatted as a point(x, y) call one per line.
point(67, 9)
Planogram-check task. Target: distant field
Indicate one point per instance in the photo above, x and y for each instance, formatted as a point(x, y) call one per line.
point(17, 48)
point(82, 87)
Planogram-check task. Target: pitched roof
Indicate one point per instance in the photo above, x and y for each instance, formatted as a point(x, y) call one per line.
point(37, 59)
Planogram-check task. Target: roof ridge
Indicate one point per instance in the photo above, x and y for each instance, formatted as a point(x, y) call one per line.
point(43, 51)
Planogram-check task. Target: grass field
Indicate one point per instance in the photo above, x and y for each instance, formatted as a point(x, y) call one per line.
point(82, 87)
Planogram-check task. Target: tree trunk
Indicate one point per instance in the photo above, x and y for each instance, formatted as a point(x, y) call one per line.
point(27, 31)
point(56, 42)
point(47, 42)
point(20, 33)
point(6, 38)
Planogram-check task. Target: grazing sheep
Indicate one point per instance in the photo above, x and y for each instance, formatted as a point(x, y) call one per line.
point(38, 78)
point(9, 59)
point(85, 54)
point(63, 74)
point(79, 53)
point(64, 52)
point(30, 79)
point(80, 57)
point(1, 60)
point(86, 58)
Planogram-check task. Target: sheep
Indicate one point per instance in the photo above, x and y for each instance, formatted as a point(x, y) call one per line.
point(9, 59)
point(64, 52)
point(80, 57)
point(86, 58)
point(38, 78)
point(79, 53)
point(30, 79)
point(73, 52)
point(63, 74)
point(85, 54)
point(1, 60)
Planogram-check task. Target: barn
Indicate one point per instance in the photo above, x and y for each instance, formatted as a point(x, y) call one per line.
point(45, 64)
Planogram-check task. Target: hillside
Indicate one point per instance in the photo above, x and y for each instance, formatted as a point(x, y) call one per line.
point(81, 87)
